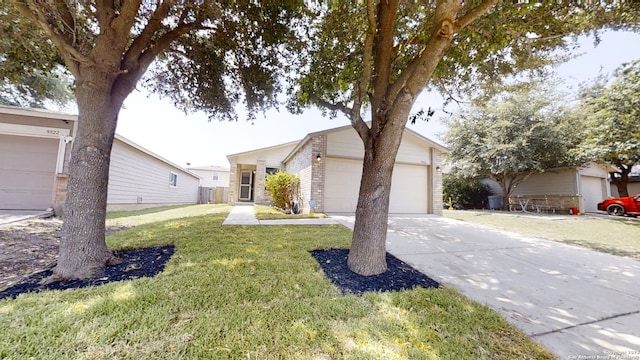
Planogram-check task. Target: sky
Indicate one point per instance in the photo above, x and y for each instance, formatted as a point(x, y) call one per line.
point(156, 125)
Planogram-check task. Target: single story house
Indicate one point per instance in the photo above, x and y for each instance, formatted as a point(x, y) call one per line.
point(35, 146)
point(329, 165)
point(561, 189)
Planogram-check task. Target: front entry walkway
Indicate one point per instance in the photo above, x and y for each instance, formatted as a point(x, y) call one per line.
point(244, 215)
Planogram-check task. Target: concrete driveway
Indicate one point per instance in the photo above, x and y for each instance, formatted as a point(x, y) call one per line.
point(576, 302)
point(9, 216)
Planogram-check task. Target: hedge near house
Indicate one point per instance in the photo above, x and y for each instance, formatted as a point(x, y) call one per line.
point(284, 188)
point(465, 193)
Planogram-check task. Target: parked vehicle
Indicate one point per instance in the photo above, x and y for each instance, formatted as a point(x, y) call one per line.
point(629, 205)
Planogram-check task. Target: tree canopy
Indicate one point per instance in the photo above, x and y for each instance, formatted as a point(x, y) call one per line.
point(31, 71)
point(514, 135)
point(612, 122)
point(207, 55)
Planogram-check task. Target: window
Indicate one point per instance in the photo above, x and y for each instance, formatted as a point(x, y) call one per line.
point(215, 175)
point(173, 179)
point(271, 170)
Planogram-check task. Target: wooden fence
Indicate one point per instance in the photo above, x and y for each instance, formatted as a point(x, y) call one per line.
point(213, 195)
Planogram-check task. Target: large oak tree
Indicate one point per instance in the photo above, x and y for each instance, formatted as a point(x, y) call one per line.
point(207, 55)
point(513, 135)
point(376, 57)
point(612, 126)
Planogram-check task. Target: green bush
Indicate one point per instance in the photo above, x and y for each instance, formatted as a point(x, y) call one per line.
point(284, 189)
point(465, 193)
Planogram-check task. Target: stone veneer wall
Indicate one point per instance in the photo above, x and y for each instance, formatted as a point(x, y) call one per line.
point(233, 182)
point(301, 165)
point(436, 197)
point(311, 172)
point(319, 145)
point(260, 194)
point(60, 193)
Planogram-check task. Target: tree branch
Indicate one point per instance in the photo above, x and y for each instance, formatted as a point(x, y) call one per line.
point(124, 21)
point(474, 14)
point(105, 12)
point(367, 59)
point(143, 41)
point(69, 53)
point(383, 53)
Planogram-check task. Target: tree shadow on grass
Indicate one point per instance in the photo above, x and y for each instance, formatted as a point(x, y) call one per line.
point(136, 263)
point(399, 276)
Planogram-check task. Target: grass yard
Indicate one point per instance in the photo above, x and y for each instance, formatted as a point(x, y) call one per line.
point(249, 292)
point(617, 236)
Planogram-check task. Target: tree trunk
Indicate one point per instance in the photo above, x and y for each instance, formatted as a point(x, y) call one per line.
point(367, 255)
point(83, 251)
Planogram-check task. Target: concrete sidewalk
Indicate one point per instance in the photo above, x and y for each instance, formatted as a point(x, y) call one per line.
point(578, 303)
point(245, 215)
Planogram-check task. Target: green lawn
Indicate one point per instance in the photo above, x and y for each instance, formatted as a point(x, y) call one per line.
point(249, 292)
point(613, 235)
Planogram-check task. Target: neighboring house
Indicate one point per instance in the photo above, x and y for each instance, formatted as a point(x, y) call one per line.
point(563, 188)
point(329, 165)
point(35, 146)
point(140, 179)
point(212, 176)
point(214, 183)
point(633, 187)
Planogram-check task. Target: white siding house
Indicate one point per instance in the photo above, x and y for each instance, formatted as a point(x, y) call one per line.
point(329, 165)
point(35, 147)
point(140, 179)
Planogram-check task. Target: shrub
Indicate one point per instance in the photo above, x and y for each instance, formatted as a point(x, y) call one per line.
point(465, 193)
point(284, 188)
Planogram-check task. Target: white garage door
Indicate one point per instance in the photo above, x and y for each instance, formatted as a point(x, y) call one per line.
point(27, 172)
point(408, 187)
point(592, 193)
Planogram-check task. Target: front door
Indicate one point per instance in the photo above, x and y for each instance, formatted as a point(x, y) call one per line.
point(245, 185)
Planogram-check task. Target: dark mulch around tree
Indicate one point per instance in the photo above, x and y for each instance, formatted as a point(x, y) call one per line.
point(136, 263)
point(399, 276)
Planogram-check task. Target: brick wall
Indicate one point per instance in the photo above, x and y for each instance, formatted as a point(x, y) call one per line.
point(301, 165)
point(436, 197)
point(60, 193)
point(319, 146)
point(233, 182)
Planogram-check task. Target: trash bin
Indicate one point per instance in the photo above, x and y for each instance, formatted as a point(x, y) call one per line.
point(495, 202)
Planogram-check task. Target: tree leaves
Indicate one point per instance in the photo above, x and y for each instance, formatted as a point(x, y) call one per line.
point(513, 135)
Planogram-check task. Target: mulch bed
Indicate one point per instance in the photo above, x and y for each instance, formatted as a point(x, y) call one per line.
point(136, 263)
point(399, 276)
point(148, 262)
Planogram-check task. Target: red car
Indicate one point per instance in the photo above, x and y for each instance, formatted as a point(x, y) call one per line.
point(629, 205)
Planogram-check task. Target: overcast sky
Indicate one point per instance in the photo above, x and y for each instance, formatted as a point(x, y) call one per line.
point(162, 129)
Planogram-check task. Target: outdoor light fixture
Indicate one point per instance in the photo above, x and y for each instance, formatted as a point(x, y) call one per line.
point(318, 158)
point(438, 168)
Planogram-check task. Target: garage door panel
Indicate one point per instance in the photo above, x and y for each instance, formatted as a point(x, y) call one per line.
point(27, 168)
point(408, 189)
point(592, 193)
